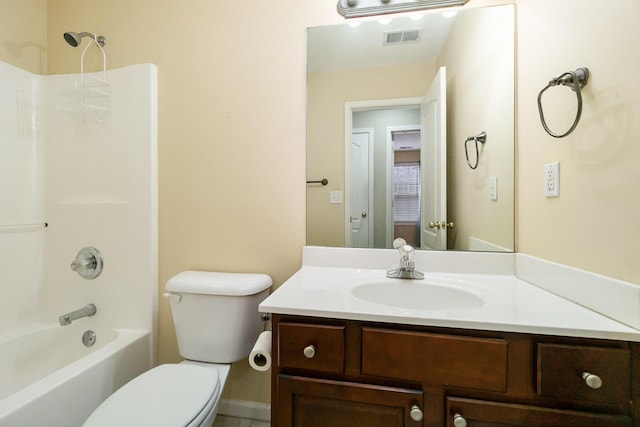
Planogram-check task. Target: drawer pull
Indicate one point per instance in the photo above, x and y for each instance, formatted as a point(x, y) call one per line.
point(416, 413)
point(593, 381)
point(459, 421)
point(309, 351)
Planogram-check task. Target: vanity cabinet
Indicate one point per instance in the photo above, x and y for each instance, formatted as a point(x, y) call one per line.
point(345, 373)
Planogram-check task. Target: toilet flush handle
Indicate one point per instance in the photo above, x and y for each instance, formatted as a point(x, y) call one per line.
point(173, 297)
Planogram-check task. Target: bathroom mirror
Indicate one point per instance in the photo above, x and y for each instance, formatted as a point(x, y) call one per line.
point(392, 104)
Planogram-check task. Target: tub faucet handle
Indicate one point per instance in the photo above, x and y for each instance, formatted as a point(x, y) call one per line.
point(88, 263)
point(84, 263)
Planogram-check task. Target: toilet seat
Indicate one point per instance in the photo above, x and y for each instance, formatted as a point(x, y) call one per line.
point(168, 395)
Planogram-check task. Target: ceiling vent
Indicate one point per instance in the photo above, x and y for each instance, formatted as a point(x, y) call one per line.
point(399, 37)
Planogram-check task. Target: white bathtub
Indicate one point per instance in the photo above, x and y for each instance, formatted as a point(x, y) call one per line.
point(48, 377)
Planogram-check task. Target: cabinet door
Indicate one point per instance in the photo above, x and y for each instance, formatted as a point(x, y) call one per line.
point(476, 413)
point(308, 402)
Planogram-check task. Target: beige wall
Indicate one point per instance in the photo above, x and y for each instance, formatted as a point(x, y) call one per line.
point(231, 134)
point(594, 223)
point(23, 34)
point(480, 48)
point(232, 82)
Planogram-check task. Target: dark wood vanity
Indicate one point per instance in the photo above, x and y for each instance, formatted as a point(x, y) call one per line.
point(347, 373)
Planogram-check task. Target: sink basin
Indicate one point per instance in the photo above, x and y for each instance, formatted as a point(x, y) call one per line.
point(417, 295)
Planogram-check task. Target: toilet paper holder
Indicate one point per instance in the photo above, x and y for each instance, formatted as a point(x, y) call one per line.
point(260, 355)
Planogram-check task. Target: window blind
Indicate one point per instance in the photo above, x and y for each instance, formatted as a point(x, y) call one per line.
point(406, 192)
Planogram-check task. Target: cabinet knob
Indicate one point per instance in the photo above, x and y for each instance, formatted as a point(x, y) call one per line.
point(459, 421)
point(593, 381)
point(309, 351)
point(416, 413)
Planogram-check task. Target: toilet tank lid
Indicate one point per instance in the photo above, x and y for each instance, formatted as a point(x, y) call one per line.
point(217, 283)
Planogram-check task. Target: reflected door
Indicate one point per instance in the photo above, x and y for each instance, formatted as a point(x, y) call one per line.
point(433, 159)
point(360, 197)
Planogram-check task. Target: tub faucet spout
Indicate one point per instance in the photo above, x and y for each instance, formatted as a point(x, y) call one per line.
point(86, 311)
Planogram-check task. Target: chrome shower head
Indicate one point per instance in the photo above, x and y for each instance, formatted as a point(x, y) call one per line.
point(74, 38)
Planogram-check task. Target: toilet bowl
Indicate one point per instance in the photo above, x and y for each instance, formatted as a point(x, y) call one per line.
point(182, 394)
point(217, 320)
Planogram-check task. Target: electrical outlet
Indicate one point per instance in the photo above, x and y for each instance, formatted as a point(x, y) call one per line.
point(552, 179)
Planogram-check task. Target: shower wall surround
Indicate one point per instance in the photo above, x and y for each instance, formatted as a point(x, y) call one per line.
point(90, 175)
point(21, 198)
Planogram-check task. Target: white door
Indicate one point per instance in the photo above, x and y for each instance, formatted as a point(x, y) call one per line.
point(433, 161)
point(361, 189)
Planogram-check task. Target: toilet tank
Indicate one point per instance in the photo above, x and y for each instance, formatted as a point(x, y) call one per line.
point(216, 314)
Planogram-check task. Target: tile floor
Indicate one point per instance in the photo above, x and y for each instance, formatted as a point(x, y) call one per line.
point(222, 421)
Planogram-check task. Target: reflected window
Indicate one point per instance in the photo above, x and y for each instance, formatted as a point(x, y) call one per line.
point(406, 192)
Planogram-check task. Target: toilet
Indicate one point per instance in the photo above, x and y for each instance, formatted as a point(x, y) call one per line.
point(217, 322)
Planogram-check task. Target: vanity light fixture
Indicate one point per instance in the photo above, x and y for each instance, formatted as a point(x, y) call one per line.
point(356, 8)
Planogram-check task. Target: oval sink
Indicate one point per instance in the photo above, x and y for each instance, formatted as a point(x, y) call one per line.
point(417, 295)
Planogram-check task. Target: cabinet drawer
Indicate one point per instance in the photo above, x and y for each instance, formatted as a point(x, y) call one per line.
point(312, 347)
point(472, 413)
point(479, 363)
point(562, 371)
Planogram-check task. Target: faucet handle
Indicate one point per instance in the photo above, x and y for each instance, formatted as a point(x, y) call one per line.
point(407, 251)
point(399, 243)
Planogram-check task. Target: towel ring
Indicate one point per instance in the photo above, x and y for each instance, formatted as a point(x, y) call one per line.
point(576, 80)
point(479, 138)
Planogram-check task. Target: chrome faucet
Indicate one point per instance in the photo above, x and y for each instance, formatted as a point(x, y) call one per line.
point(406, 270)
point(86, 311)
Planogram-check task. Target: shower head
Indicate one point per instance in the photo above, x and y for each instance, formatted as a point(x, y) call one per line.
point(74, 38)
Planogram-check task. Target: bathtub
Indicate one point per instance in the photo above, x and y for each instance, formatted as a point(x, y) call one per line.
point(49, 377)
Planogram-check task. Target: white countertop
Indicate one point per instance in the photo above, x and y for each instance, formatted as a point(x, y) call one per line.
point(319, 289)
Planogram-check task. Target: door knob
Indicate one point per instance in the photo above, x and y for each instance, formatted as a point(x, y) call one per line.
point(363, 214)
point(441, 224)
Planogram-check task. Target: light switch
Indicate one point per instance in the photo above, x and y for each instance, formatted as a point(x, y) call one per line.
point(494, 187)
point(335, 197)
